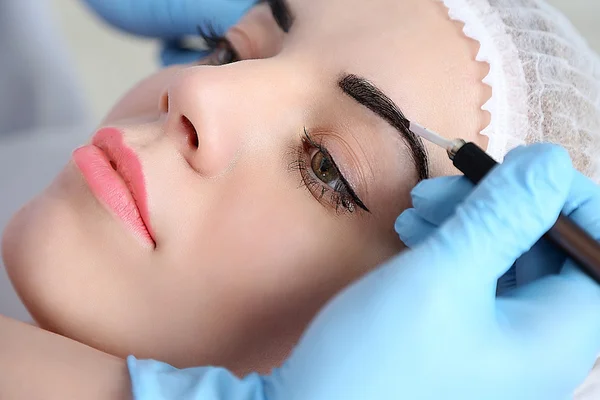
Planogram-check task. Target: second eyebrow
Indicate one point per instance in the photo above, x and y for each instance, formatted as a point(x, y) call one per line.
point(375, 100)
point(281, 13)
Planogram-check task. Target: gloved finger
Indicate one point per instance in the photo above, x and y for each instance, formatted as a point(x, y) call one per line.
point(170, 18)
point(171, 54)
point(506, 213)
point(436, 199)
point(413, 229)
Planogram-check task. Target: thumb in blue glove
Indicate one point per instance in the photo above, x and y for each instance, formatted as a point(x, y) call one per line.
point(171, 19)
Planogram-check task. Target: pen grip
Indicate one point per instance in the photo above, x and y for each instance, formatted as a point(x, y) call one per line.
point(475, 163)
point(472, 161)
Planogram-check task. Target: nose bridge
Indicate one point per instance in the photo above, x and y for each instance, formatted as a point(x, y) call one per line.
point(209, 111)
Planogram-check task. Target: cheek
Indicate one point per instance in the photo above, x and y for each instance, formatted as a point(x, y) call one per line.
point(254, 240)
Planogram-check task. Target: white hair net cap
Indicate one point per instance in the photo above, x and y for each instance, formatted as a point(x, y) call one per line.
point(545, 79)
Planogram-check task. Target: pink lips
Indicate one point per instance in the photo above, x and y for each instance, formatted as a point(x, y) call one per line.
point(114, 174)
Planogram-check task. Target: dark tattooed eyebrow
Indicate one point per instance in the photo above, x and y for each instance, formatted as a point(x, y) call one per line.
point(281, 12)
point(375, 100)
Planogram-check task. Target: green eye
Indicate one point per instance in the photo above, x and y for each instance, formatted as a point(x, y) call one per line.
point(324, 168)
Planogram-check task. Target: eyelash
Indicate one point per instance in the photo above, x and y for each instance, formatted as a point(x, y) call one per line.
point(341, 197)
point(216, 42)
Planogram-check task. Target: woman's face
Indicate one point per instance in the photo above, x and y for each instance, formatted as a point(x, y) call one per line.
point(264, 186)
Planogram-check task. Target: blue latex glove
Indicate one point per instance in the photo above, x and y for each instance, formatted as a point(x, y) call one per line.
point(428, 324)
point(434, 201)
point(171, 20)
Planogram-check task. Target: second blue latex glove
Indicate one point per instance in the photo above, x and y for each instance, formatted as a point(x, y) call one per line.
point(428, 325)
point(171, 20)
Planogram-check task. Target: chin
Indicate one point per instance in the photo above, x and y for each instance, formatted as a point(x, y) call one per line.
point(76, 269)
point(54, 249)
point(36, 249)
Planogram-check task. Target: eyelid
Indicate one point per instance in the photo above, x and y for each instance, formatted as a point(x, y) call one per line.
point(242, 43)
point(257, 35)
point(345, 160)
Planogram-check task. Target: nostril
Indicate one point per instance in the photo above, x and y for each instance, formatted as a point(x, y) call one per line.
point(190, 132)
point(163, 104)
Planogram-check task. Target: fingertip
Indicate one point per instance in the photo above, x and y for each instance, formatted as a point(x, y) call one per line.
point(412, 229)
point(436, 199)
point(404, 221)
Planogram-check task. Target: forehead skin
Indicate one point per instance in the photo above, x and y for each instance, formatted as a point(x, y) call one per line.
point(408, 48)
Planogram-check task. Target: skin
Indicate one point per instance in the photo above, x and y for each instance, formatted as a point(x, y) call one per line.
point(245, 257)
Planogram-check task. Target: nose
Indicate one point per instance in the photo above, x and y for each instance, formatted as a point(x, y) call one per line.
point(205, 118)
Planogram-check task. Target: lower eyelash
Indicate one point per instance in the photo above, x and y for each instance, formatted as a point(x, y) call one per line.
point(337, 197)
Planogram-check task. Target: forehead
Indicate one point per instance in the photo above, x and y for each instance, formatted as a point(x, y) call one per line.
point(410, 49)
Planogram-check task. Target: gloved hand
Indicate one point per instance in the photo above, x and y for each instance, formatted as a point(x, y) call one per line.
point(434, 201)
point(428, 324)
point(171, 20)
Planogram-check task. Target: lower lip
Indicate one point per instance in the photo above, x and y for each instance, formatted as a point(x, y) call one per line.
point(108, 186)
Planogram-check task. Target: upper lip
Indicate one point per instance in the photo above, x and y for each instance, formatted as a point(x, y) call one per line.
point(125, 162)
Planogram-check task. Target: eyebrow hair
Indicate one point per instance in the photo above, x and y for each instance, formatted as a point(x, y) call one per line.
point(282, 13)
point(375, 100)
